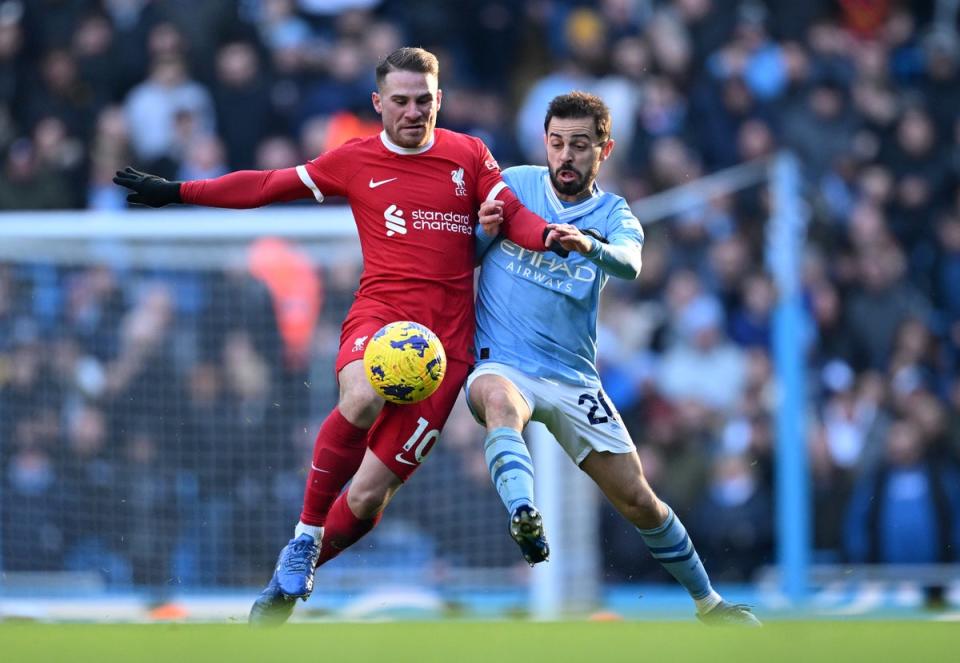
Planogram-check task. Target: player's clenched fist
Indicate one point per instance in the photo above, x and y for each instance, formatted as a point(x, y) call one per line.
point(491, 216)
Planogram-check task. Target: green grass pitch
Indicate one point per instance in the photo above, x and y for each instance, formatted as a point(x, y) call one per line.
point(470, 642)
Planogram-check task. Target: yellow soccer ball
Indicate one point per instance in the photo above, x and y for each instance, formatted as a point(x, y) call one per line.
point(405, 362)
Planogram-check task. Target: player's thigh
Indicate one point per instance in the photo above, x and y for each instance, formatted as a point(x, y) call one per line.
point(404, 434)
point(495, 381)
point(495, 398)
point(582, 419)
point(358, 402)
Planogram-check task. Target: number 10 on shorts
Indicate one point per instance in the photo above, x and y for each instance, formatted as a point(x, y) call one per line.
point(420, 442)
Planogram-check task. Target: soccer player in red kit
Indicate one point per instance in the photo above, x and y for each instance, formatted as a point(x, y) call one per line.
point(414, 191)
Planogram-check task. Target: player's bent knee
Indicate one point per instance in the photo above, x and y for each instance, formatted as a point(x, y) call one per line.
point(358, 402)
point(500, 408)
point(499, 401)
point(360, 406)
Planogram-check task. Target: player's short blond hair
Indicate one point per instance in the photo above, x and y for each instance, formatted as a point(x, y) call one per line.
point(408, 58)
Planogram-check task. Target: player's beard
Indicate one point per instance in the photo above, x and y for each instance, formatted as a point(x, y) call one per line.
point(574, 187)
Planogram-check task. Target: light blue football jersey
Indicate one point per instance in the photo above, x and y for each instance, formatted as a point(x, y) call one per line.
point(537, 311)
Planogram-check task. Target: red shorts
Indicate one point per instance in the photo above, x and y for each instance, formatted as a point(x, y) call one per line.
point(353, 338)
point(402, 435)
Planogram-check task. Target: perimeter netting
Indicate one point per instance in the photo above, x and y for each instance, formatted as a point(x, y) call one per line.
point(163, 379)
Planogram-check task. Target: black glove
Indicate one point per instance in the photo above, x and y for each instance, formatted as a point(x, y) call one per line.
point(555, 247)
point(149, 190)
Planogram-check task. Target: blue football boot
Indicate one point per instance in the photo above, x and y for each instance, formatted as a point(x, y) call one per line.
point(526, 528)
point(296, 565)
point(271, 608)
point(730, 614)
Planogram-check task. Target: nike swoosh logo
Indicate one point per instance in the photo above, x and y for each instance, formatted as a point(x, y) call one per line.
point(403, 460)
point(318, 469)
point(374, 185)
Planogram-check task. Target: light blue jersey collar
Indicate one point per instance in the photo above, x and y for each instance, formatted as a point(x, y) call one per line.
point(566, 213)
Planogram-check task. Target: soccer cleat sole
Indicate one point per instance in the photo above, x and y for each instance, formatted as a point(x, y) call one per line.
point(526, 528)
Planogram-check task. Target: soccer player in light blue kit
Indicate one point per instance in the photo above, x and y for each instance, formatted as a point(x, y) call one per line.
point(536, 345)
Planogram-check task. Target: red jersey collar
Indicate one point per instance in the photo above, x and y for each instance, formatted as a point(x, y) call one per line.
point(396, 149)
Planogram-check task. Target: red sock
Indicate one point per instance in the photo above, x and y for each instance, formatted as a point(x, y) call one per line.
point(343, 529)
point(337, 453)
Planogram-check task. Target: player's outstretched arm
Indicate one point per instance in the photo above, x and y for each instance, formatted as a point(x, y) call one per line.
point(523, 227)
point(620, 256)
point(242, 189)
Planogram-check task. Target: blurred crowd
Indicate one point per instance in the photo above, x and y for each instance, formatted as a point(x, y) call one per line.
point(143, 413)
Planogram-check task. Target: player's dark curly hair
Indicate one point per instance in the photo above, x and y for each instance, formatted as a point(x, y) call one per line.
point(408, 58)
point(581, 104)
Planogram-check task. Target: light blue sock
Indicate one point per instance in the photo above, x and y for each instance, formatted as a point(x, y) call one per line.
point(511, 468)
point(671, 546)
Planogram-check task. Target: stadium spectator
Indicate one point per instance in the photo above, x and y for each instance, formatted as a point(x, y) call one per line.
point(346, 85)
point(281, 29)
point(210, 466)
point(27, 185)
point(149, 521)
point(882, 303)
point(277, 152)
point(750, 324)
point(60, 155)
point(157, 103)
point(14, 65)
point(701, 364)
point(907, 509)
point(143, 359)
point(821, 127)
point(30, 482)
point(945, 272)
point(109, 149)
point(61, 92)
point(92, 486)
point(204, 157)
point(734, 520)
point(97, 62)
point(242, 83)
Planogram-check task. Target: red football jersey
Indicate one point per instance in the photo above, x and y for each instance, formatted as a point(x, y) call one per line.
point(415, 210)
